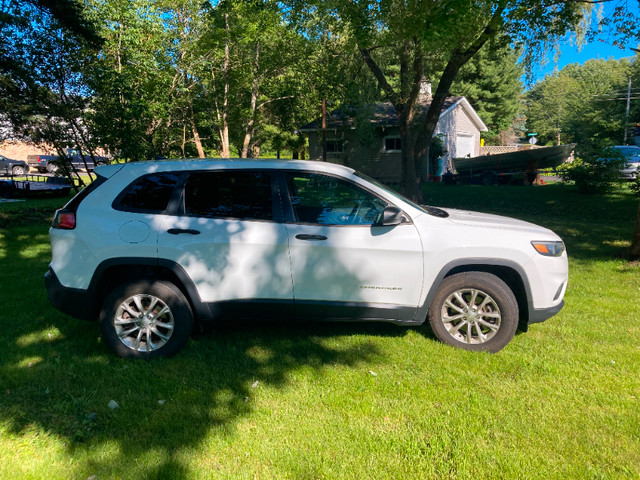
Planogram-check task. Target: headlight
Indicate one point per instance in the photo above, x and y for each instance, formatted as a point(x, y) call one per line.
point(549, 249)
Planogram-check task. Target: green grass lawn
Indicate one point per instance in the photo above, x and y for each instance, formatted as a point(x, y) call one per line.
point(334, 400)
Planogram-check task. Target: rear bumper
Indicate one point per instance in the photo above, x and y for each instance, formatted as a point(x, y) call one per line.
point(70, 301)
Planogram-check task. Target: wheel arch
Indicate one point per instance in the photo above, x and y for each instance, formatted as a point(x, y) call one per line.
point(114, 272)
point(509, 272)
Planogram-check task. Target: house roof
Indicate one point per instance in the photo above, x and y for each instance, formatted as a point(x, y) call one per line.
point(384, 115)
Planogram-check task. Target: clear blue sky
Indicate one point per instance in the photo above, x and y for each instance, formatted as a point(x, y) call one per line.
point(600, 48)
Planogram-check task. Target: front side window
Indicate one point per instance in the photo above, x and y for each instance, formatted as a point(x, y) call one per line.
point(148, 194)
point(630, 151)
point(325, 200)
point(229, 194)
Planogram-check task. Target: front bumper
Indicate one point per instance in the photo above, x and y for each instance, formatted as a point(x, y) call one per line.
point(542, 314)
point(74, 302)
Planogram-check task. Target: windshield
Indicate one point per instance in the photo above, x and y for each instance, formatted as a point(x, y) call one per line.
point(630, 151)
point(389, 191)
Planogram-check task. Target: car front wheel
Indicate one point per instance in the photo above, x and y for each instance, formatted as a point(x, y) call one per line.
point(18, 170)
point(146, 319)
point(474, 311)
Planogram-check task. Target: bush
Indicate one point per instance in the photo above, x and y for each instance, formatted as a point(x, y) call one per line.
point(635, 186)
point(594, 175)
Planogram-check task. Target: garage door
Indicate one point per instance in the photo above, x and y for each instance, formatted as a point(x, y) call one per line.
point(464, 145)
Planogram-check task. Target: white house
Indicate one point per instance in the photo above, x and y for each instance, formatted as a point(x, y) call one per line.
point(378, 154)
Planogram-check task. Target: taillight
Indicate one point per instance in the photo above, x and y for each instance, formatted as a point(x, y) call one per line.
point(64, 219)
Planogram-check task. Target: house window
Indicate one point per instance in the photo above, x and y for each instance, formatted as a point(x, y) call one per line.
point(335, 146)
point(392, 144)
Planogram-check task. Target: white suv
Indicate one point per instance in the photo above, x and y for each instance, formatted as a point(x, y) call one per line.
point(149, 247)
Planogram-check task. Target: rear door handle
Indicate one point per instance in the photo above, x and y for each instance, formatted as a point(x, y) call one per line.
point(178, 231)
point(304, 236)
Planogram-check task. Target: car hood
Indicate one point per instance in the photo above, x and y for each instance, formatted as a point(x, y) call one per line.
point(486, 220)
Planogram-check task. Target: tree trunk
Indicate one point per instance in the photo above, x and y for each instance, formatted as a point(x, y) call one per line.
point(404, 104)
point(409, 180)
point(224, 130)
point(248, 131)
point(194, 131)
point(416, 128)
point(634, 251)
point(184, 140)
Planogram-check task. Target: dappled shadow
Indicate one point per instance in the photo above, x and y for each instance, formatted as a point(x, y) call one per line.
point(63, 385)
point(58, 377)
point(594, 227)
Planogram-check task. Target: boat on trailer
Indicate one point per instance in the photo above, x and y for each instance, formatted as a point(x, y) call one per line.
point(502, 167)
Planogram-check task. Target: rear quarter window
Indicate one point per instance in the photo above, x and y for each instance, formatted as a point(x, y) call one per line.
point(84, 193)
point(148, 194)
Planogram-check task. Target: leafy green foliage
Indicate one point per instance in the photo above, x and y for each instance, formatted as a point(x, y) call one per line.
point(594, 175)
point(436, 151)
point(635, 186)
point(581, 104)
point(491, 81)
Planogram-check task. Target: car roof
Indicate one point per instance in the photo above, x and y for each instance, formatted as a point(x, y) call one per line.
point(142, 168)
point(627, 147)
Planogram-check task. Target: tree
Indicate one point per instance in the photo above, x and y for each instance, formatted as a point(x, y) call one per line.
point(550, 108)
point(581, 104)
point(433, 39)
point(42, 89)
point(491, 81)
point(256, 65)
point(634, 250)
point(130, 81)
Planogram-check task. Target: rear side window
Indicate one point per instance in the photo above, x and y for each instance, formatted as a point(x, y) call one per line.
point(148, 194)
point(229, 194)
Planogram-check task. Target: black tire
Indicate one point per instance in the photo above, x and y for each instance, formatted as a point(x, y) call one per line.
point(489, 178)
point(474, 311)
point(18, 170)
point(128, 335)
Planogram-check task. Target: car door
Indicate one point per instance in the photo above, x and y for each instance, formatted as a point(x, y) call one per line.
point(5, 167)
point(344, 264)
point(228, 237)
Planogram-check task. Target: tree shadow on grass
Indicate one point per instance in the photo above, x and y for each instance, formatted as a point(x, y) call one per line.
point(58, 377)
point(64, 385)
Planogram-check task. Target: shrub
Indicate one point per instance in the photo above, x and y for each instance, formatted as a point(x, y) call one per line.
point(594, 175)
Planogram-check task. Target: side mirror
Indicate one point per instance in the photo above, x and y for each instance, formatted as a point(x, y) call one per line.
point(391, 216)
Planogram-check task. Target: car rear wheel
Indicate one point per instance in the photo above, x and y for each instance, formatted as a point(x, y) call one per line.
point(146, 319)
point(474, 311)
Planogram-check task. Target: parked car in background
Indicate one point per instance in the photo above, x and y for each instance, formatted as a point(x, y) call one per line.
point(149, 247)
point(630, 154)
point(9, 166)
point(80, 160)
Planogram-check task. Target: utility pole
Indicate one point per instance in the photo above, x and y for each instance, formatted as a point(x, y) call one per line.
point(626, 117)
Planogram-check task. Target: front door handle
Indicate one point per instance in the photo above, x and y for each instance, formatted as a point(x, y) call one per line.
point(178, 231)
point(304, 236)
